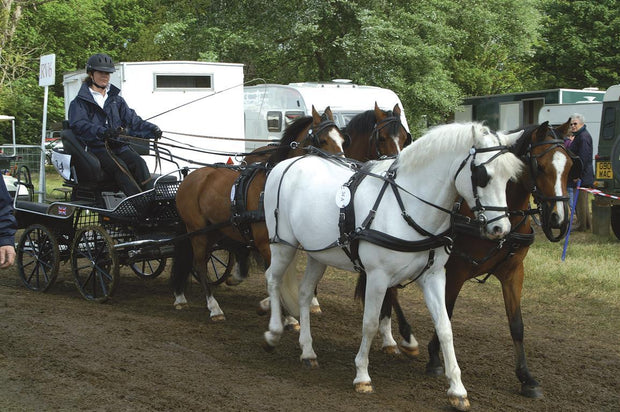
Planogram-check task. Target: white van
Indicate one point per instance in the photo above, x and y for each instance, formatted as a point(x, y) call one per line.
point(269, 108)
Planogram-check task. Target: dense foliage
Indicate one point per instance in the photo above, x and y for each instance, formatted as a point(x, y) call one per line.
point(431, 52)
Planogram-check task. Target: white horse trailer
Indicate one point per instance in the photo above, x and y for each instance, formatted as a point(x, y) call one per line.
point(198, 104)
point(269, 108)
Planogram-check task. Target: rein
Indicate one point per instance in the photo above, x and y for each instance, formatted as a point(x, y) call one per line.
point(351, 235)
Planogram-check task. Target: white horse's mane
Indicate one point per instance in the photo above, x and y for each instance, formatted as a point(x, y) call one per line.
point(452, 137)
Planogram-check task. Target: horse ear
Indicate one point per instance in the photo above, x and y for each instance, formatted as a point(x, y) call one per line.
point(512, 138)
point(316, 117)
point(379, 114)
point(541, 131)
point(328, 113)
point(396, 110)
point(564, 128)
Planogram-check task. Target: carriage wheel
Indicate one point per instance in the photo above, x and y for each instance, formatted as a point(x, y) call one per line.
point(219, 266)
point(94, 263)
point(149, 268)
point(37, 258)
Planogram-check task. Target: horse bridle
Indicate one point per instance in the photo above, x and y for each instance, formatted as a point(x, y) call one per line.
point(374, 136)
point(480, 178)
point(312, 138)
point(545, 203)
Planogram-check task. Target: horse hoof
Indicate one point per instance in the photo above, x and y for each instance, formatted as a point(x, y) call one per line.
point(364, 387)
point(267, 347)
point(390, 350)
point(460, 403)
point(434, 370)
point(529, 391)
point(292, 327)
point(315, 310)
point(410, 352)
point(180, 306)
point(218, 318)
point(232, 281)
point(263, 307)
point(310, 363)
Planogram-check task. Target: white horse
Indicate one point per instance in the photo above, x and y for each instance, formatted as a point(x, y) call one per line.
point(303, 201)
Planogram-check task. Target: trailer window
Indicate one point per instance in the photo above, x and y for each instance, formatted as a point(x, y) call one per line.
point(183, 81)
point(274, 121)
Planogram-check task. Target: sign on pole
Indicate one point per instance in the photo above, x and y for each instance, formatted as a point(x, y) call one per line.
point(47, 70)
point(47, 77)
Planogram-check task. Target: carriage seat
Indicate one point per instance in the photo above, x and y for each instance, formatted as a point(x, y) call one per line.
point(86, 165)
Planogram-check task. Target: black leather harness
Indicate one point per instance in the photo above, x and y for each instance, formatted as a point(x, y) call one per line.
point(241, 218)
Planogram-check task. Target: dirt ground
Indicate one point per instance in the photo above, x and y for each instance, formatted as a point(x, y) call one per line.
point(137, 353)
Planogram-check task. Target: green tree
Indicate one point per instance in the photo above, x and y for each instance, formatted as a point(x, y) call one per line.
point(580, 44)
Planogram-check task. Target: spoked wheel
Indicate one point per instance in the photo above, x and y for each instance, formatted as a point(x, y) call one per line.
point(37, 258)
point(219, 266)
point(94, 263)
point(149, 268)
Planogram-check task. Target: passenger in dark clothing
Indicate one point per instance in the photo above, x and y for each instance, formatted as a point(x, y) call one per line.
point(8, 226)
point(582, 147)
point(99, 114)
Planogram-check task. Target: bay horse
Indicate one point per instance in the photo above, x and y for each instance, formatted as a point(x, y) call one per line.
point(205, 201)
point(306, 197)
point(376, 133)
point(548, 167)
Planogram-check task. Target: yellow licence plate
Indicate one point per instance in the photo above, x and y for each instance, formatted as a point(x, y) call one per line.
point(603, 170)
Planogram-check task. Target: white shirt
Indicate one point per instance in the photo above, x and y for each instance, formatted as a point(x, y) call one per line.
point(100, 98)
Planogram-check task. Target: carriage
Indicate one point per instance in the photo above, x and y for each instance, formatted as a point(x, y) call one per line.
point(98, 229)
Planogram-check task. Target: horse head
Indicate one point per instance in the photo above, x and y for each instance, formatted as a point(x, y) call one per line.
point(317, 130)
point(324, 134)
point(491, 165)
point(389, 135)
point(549, 166)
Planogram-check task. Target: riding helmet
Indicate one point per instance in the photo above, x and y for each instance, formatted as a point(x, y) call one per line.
point(100, 62)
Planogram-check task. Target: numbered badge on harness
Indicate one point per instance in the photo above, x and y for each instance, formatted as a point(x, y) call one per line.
point(343, 197)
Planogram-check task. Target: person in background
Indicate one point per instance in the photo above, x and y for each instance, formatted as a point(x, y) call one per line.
point(99, 114)
point(8, 226)
point(568, 140)
point(582, 147)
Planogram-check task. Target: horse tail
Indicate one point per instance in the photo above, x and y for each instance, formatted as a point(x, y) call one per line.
point(289, 289)
point(182, 265)
point(389, 301)
point(360, 287)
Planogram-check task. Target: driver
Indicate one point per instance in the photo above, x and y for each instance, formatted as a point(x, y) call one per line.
point(99, 114)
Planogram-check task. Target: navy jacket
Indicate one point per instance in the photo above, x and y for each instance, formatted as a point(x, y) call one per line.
point(582, 147)
point(88, 121)
point(8, 224)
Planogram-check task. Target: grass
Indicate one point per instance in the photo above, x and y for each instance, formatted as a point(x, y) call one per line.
point(588, 276)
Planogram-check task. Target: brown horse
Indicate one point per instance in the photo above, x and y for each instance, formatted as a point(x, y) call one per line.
point(206, 205)
point(549, 166)
point(376, 133)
